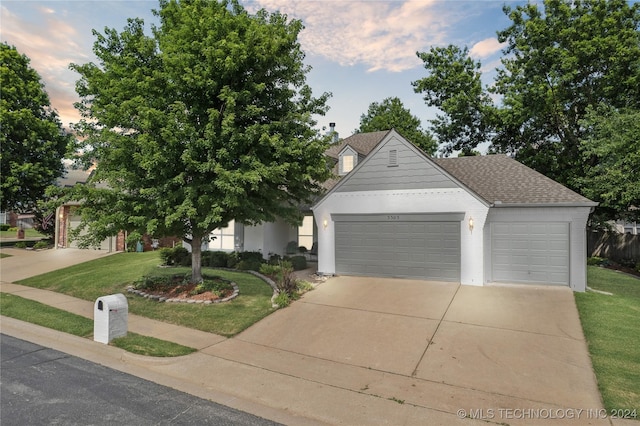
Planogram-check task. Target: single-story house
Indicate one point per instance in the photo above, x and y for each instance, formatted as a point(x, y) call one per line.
point(396, 212)
point(67, 218)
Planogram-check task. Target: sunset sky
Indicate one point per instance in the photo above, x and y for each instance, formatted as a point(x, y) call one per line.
point(362, 51)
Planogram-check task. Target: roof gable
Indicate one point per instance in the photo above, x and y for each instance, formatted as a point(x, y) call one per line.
point(410, 170)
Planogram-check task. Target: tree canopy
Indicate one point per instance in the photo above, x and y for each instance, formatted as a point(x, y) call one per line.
point(561, 59)
point(612, 145)
point(32, 140)
point(454, 86)
point(391, 114)
point(208, 119)
point(558, 62)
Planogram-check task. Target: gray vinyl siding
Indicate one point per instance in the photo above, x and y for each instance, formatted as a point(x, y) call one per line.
point(411, 172)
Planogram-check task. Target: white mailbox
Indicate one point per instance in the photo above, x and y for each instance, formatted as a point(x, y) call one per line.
point(110, 315)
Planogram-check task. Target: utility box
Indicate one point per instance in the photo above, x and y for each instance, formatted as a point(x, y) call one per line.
point(110, 317)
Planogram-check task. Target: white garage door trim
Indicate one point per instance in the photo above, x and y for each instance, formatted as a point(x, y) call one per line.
point(424, 246)
point(530, 252)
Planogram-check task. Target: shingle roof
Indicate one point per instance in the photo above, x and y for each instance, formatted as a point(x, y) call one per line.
point(499, 179)
point(362, 143)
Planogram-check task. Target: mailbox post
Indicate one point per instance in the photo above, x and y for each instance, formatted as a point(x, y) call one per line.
point(110, 317)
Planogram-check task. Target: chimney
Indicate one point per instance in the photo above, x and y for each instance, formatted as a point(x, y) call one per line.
point(333, 133)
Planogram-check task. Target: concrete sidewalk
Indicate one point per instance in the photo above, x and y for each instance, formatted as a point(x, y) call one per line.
point(366, 351)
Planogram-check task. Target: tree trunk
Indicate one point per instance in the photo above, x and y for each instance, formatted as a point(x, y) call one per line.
point(196, 259)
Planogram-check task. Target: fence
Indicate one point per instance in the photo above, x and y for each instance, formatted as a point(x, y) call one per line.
point(612, 245)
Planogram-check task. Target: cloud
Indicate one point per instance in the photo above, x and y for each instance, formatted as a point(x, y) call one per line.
point(51, 44)
point(485, 48)
point(382, 35)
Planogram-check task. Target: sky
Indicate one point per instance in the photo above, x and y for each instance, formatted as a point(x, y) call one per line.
point(362, 51)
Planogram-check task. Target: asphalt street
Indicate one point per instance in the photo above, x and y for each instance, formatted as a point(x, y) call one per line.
point(42, 386)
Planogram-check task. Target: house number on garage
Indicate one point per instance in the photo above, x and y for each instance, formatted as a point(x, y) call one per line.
point(393, 217)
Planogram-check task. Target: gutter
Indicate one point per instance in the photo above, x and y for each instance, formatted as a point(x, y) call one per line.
point(499, 204)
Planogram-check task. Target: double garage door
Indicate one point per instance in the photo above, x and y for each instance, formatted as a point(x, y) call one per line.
point(428, 247)
point(411, 246)
point(530, 252)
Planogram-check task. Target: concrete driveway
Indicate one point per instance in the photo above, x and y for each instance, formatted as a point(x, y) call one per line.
point(436, 345)
point(29, 263)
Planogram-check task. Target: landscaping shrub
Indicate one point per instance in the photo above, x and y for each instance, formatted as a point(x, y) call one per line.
point(215, 259)
point(595, 261)
point(270, 269)
point(13, 229)
point(298, 262)
point(177, 256)
point(282, 300)
point(232, 260)
point(303, 286)
point(160, 282)
point(629, 263)
point(216, 285)
point(254, 256)
point(219, 259)
point(21, 245)
point(4, 226)
point(132, 241)
point(283, 276)
point(274, 258)
point(249, 265)
point(41, 245)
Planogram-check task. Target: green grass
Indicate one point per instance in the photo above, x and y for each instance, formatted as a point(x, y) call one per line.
point(150, 346)
point(28, 233)
point(3, 255)
point(37, 313)
point(611, 326)
point(44, 315)
point(225, 319)
point(112, 274)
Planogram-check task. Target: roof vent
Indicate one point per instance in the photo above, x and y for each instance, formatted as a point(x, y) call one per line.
point(393, 158)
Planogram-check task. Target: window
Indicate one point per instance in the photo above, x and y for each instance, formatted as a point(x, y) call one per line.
point(224, 238)
point(305, 233)
point(347, 163)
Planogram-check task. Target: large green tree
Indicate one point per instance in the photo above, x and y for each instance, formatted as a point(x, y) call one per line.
point(208, 119)
point(32, 140)
point(560, 58)
point(559, 61)
point(392, 114)
point(612, 145)
point(454, 86)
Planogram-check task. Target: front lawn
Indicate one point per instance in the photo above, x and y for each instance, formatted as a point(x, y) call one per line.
point(28, 233)
point(112, 274)
point(611, 326)
point(47, 316)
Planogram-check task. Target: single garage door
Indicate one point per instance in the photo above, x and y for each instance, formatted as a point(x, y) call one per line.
point(530, 252)
point(398, 246)
point(74, 222)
